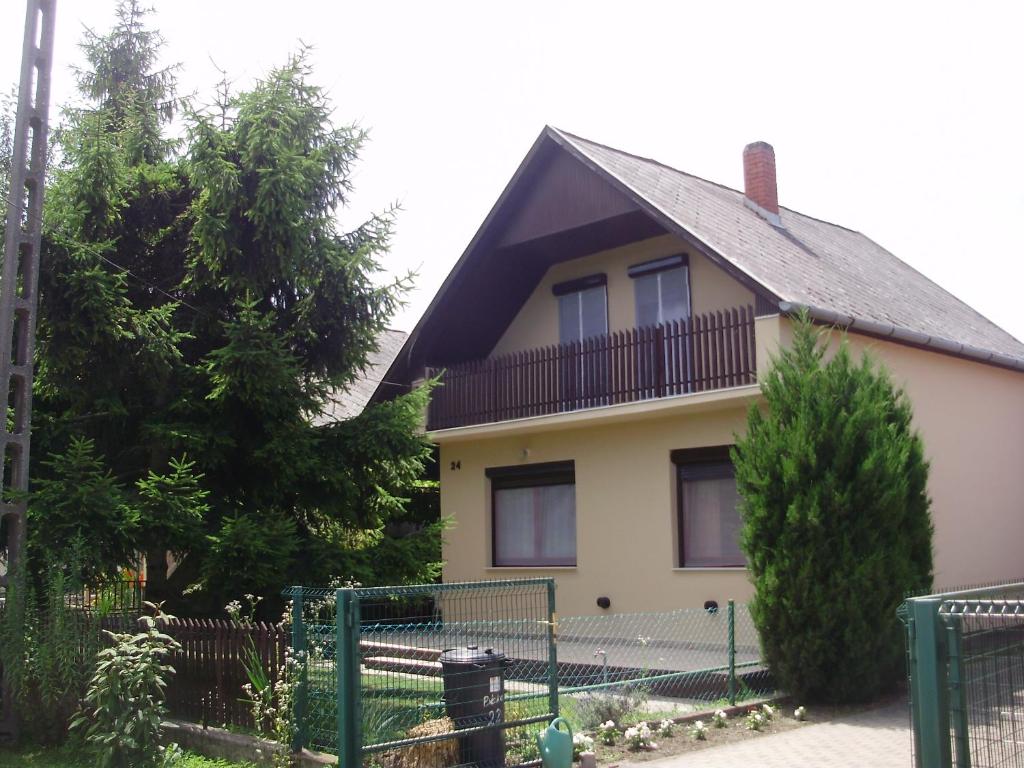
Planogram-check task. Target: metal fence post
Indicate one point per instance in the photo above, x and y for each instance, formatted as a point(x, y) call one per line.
point(928, 693)
point(302, 689)
point(347, 659)
point(957, 697)
point(731, 640)
point(552, 650)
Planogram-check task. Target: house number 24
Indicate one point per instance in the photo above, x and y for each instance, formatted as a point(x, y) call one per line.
point(456, 465)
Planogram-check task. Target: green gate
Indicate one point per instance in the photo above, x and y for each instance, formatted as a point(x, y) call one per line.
point(966, 673)
point(373, 690)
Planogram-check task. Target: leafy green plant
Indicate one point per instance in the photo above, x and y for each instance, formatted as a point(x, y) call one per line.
point(836, 525)
point(47, 645)
point(522, 748)
point(271, 701)
point(272, 704)
point(124, 704)
point(598, 707)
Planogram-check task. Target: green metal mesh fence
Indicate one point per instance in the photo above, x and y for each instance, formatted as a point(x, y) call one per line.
point(475, 657)
point(689, 654)
point(986, 681)
point(965, 654)
point(404, 697)
point(404, 707)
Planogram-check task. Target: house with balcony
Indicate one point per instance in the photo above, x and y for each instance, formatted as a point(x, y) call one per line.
point(598, 346)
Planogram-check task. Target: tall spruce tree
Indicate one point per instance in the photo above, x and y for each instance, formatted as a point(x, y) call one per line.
point(836, 526)
point(198, 308)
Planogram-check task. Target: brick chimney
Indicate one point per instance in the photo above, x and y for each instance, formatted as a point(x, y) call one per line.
point(759, 180)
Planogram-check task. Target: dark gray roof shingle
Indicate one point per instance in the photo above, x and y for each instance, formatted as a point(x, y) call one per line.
point(807, 262)
point(344, 404)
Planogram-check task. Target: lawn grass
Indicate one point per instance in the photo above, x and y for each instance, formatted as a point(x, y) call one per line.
point(77, 757)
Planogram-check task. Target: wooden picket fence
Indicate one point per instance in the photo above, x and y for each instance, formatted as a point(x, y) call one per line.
point(209, 670)
point(706, 352)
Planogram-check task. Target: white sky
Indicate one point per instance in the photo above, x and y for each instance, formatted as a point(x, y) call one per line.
point(900, 119)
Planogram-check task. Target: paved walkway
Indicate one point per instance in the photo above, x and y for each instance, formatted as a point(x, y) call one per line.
point(879, 738)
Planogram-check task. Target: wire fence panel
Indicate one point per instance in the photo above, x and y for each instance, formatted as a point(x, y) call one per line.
point(986, 681)
point(965, 662)
point(689, 653)
point(466, 674)
point(423, 676)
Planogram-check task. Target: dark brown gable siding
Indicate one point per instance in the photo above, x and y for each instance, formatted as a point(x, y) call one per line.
point(565, 194)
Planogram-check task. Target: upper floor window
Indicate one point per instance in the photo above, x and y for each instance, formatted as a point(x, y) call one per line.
point(662, 290)
point(582, 308)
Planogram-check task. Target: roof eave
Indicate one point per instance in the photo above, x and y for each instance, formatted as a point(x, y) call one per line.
point(405, 353)
point(903, 335)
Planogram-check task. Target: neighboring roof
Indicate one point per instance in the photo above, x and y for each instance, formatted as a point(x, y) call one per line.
point(344, 404)
point(839, 275)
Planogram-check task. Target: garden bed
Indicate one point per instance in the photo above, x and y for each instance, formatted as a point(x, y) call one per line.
point(683, 737)
point(77, 757)
point(683, 740)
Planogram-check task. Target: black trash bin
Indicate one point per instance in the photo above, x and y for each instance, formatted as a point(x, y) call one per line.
point(474, 695)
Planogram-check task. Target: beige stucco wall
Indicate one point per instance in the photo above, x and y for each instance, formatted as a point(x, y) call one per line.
point(536, 324)
point(971, 418)
point(970, 415)
point(625, 520)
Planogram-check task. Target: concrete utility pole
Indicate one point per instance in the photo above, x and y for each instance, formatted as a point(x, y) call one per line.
point(18, 285)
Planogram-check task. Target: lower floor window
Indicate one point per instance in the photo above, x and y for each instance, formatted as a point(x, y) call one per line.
point(709, 518)
point(534, 515)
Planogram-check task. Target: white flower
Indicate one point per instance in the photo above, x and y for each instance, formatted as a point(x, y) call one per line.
point(755, 721)
point(665, 727)
point(581, 743)
point(769, 711)
point(719, 719)
point(800, 713)
point(639, 737)
point(699, 731)
point(607, 733)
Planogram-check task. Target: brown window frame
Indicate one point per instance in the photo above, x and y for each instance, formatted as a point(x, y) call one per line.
point(577, 286)
point(659, 265)
point(580, 284)
point(528, 476)
point(678, 261)
point(708, 457)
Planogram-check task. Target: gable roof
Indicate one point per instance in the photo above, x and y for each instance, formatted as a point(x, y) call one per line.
point(842, 276)
point(839, 275)
point(349, 402)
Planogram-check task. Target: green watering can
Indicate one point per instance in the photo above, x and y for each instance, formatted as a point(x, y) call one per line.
point(555, 745)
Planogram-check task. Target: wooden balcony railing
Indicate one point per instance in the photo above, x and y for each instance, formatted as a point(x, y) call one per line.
point(712, 351)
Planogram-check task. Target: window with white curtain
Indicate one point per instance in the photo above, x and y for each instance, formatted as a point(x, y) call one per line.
point(709, 516)
point(534, 515)
point(662, 290)
point(582, 308)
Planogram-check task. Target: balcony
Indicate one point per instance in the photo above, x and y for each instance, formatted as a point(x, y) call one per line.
point(707, 352)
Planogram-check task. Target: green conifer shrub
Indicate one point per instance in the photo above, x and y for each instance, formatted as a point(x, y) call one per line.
point(836, 524)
